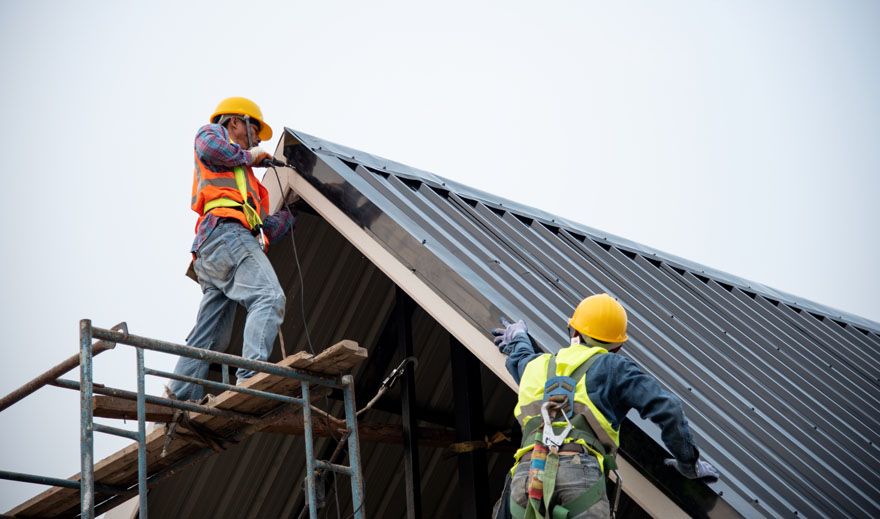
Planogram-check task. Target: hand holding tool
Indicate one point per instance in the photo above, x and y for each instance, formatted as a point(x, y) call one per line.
point(258, 155)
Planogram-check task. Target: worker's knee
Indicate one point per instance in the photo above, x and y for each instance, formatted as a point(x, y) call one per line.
point(271, 299)
point(278, 301)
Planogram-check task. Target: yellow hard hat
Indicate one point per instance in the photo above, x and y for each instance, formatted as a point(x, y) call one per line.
point(243, 106)
point(600, 317)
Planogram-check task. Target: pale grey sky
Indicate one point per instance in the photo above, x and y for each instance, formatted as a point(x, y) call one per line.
point(741, 135)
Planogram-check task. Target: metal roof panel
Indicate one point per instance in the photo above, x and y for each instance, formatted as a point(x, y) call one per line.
point(770, 396)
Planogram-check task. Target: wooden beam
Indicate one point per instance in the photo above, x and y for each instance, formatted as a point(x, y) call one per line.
point(370, 432)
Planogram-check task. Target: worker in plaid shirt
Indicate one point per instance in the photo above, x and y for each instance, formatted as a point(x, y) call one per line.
point(232, 233)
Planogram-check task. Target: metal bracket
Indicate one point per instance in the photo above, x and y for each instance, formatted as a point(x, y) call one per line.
point(398, 371)
point(548, 436)
point(616, 494)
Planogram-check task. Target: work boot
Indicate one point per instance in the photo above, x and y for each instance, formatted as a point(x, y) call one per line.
point(167, 393)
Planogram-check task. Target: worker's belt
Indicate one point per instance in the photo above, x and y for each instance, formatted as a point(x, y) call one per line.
point(254, 232)
point(532, 432)
point(566, 447)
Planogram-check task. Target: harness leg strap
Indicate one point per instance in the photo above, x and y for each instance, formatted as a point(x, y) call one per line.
point(588, 498)
point(549, 478)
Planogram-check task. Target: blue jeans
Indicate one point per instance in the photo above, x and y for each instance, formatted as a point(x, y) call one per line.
point(232, 270)
point(576, 473)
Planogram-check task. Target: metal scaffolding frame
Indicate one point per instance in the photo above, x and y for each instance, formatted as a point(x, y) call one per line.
point(107, 340)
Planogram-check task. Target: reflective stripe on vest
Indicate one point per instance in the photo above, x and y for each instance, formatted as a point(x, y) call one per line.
point(222, 194)
point(531, 391)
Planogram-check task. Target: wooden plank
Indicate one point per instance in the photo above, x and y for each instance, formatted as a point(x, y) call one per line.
point(370, 432)
point(120, 408)
point(120, 468)
point(125, 409)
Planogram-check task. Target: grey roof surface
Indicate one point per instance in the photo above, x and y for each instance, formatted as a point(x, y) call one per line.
point(792, 424)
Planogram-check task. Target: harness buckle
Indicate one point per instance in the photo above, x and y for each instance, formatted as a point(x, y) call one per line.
point(549, 437)
point(257, 232)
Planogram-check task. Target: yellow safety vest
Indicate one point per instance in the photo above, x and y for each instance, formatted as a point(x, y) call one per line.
point(531, 396)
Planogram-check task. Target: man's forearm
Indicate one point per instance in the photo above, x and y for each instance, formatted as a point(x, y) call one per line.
point(276, 225)
point(521, 353)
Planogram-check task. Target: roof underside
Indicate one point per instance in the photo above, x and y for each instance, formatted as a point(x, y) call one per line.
point(767, 399)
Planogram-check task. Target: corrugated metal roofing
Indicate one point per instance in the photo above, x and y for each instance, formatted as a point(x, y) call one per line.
point(769, 396)
point(782, 394)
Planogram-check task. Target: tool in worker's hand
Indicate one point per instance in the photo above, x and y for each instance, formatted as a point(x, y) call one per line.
point(269, 162)
point(258, 156)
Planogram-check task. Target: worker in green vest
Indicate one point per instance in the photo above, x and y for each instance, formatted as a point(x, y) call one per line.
point(570, 408)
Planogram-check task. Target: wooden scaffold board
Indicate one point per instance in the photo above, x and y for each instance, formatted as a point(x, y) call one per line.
point(120, 469)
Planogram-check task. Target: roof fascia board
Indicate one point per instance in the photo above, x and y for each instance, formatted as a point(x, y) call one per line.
point(401, 170)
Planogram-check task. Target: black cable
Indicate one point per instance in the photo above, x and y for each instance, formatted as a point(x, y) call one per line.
point(336, 495)
point(302, 300)
point(356, 510)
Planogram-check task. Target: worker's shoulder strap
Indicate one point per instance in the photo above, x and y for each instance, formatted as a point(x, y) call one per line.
point(578, 373)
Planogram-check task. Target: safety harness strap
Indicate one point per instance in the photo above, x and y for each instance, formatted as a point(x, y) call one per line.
point(551, 467)
point(582, 427)
point(593, 423)
point(516, 511)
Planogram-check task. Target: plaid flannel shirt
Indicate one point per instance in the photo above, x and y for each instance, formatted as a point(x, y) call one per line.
point(218, 154)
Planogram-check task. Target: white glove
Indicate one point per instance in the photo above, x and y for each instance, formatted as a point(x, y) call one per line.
point(257, 156)
point(700, 470)
point(504, 335)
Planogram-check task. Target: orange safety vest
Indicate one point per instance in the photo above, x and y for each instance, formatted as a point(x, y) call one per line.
point(210, 185)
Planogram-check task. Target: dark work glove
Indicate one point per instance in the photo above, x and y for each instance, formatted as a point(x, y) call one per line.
point(504, 335)
point(701, 470)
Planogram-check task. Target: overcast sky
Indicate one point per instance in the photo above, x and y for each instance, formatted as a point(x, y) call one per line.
point(742, 135)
